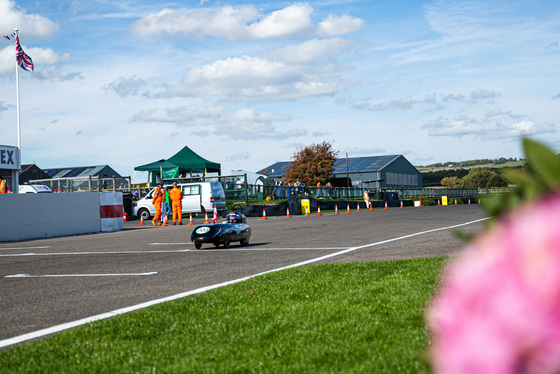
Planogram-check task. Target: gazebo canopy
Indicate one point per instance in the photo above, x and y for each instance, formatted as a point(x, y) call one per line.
point(158, 166)
point(187, 158)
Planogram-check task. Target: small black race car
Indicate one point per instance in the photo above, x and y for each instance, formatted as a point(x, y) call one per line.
point(235, 229)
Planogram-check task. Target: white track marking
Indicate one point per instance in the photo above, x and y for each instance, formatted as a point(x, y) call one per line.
point(69, 325)
point(78, 275)
point(6, 249)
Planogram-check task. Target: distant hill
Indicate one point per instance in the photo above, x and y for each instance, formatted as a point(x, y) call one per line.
point(493, 163)
point(434, 173)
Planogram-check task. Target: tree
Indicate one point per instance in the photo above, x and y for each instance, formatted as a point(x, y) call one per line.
point(478, 177)
point(497, 180)
point(451, 182)
point(312, 164)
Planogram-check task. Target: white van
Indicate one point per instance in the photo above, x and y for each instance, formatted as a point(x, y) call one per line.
point(198, 197)
point(34, 188)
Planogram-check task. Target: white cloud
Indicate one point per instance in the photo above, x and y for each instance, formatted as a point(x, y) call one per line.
point(250, 79)
point(126, 86)
point(243, 23)
point(29, 25)
point(312, 50)
point(339, 25)
point(495, 125)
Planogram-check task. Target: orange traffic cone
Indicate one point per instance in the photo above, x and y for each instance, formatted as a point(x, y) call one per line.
point(370, 206)
point(358, 208)
point(455, 201)
point(348, 209)
point(479, 201)
point(124, 215)
point(206, 218)
point(336, 209)
point(164, 220)
point(401, 204)
point(306, 212)
point(469, 201)
point(215, 215)
point(386, 207)
point(288, 213)
point(264, 214)
point(420, 202)
point(319, 211)
point(190, 221)
point(438, 202)
point(141, 221)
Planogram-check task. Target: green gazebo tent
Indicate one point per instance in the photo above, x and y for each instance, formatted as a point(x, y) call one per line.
point(187, 158)
point(168, 169)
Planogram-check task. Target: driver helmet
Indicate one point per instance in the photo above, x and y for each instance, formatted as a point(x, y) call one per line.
point(234, 218)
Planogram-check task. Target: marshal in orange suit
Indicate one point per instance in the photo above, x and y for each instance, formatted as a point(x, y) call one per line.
point(176, 197)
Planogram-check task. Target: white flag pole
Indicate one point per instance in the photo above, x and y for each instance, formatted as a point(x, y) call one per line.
point(16, 184)
point(17, 102)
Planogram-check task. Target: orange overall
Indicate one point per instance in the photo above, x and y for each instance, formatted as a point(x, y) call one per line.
point(176, 196)
point(158, 198)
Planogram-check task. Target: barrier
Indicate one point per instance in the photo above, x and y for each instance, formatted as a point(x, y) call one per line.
point(34, 216)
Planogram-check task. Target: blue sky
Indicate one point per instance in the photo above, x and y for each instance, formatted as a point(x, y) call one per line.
point(243, 83)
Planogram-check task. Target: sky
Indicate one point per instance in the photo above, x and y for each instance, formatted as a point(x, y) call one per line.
point(245, 83)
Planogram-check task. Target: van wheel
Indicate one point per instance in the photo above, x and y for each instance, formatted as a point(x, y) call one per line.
point(144, 213)
point(202, 212)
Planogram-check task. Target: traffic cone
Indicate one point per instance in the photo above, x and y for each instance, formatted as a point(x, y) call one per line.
point(215, 215)
point(124, 216)
point(191, 223)
point(438, 202)
point(206, 218)
point(336, 209)
point(264, 214)
point(469, 201)
point(141, 221)
point(420, 202)
point(288, 213)
point(164, 220)
point(306, 212)
point(386, 207)
point(479, 201)
point(455, 201)
point(319, 211)
point(358, 208)
point(348, 209)
point(401, 204)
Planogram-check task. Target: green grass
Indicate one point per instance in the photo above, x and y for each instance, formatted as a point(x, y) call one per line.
point(352, 317)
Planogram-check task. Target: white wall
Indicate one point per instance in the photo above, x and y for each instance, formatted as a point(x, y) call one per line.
point(32, 216)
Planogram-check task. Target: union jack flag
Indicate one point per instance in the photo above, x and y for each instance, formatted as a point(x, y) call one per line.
point(24, 61)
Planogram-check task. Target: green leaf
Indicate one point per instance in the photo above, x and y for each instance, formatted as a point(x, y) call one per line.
point(543, 162)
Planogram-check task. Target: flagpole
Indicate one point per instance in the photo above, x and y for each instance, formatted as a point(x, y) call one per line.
point(17, 103)
point(16, 184)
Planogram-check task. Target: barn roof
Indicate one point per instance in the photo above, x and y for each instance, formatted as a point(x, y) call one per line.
point(355, 165)
point(82, 171)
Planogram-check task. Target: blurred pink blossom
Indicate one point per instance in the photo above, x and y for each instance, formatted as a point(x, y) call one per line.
point(498, 308)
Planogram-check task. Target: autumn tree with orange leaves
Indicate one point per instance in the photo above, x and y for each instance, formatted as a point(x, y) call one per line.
point(312, 164)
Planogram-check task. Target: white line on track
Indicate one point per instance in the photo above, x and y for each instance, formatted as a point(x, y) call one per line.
point(69, 325)
point(78, 275)
point(5, 249)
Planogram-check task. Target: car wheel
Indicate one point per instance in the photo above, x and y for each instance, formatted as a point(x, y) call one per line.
point(226, 244)
point(144, 213)
point(197, 245)
point(244, 242)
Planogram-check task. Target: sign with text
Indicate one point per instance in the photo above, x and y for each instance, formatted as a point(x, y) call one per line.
point(9, 157)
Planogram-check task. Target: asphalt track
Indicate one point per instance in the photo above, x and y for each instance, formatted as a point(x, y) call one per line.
point(52, 282)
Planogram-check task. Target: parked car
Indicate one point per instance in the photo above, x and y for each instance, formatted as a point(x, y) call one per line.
point(198, 197)
point(34, 188)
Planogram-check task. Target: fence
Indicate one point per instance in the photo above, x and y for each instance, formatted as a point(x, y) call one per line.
point(87, 184)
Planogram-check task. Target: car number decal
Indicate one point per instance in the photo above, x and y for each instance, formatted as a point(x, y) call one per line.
point(202, 230)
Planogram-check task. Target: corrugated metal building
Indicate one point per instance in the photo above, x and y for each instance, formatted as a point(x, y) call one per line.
point(376, 172)
point(83, 171)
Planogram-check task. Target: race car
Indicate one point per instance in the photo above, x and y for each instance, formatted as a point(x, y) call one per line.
point(235, 229)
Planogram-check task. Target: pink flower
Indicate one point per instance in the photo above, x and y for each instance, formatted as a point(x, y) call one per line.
point(498, 309)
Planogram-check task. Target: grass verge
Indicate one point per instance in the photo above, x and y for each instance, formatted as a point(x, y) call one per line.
point(352, 317)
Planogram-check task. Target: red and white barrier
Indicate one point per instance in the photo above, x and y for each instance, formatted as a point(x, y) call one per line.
point(111, 211)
